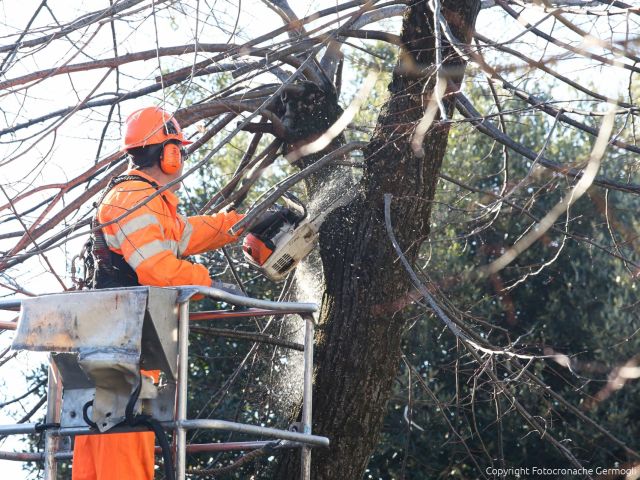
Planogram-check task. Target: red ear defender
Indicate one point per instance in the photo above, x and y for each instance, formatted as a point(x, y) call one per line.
point(171, 159)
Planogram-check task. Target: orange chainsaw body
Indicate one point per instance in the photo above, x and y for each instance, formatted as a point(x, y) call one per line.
point(256, 249)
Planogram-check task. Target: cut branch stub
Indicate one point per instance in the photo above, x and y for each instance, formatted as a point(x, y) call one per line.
point(308, 110)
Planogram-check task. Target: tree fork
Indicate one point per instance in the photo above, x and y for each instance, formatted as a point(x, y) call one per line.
point(361, 322)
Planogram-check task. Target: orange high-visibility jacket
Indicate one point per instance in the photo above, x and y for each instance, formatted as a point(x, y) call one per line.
point(153, 238)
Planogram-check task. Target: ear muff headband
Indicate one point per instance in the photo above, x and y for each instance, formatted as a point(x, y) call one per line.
point(171, 159)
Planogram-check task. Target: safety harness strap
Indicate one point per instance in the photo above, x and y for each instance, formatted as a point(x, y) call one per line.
point(103, 267)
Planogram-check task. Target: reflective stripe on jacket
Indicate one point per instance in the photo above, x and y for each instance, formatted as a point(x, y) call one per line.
point(153, 238)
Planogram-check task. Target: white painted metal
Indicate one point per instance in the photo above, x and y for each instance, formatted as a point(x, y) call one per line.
point(180, 442)
point(99, 320)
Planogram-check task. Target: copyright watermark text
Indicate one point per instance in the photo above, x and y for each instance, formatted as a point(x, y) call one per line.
point(519, 472)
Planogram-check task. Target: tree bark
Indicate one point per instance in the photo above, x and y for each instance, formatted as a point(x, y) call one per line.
point(361, 320)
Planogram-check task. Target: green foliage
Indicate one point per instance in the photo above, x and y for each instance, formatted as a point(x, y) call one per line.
point(562, 297)
point(380, 56)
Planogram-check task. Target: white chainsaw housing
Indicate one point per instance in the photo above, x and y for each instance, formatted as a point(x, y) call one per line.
point(292, 244)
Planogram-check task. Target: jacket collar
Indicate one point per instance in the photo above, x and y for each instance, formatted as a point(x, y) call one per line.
point(169, 196)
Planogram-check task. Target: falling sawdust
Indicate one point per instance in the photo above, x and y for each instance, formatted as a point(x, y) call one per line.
point(308, 287)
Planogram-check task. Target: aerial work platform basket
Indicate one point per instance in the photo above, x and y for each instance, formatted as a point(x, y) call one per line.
point(100, 340)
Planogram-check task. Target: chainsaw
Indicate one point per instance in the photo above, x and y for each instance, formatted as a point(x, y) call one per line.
point(281, 238)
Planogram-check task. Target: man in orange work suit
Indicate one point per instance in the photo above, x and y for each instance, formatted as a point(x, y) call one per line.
point(145, 247)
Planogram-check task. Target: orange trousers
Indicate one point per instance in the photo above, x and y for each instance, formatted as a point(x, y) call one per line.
point(114, 456)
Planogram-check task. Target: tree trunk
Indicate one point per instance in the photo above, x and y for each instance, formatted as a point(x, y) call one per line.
point(361, 321)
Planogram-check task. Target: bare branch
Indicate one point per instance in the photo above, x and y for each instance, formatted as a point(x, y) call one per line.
point(468, 111)
point(77, 24)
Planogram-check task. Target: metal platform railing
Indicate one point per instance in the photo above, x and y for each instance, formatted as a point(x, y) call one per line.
point(303, 439)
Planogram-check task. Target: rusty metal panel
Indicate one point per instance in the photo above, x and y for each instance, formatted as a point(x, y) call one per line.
point(84, 320)
point(105, 328)
point(72, 376)
point(160, 332)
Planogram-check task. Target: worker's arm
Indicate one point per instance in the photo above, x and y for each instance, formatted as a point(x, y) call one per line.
point(207, 232)
point(140, 239)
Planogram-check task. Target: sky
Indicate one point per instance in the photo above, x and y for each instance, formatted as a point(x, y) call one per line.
point(75, 145)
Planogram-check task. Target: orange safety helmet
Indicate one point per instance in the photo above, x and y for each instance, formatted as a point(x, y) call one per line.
point(150, 126)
